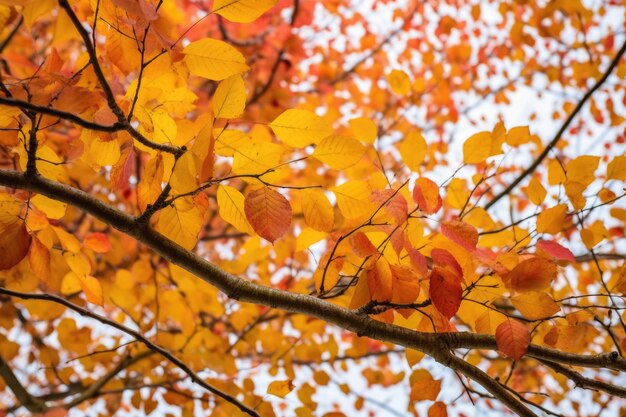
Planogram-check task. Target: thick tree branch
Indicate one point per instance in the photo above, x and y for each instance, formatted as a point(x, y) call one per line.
point(138, 336)
point(238, 288)
point(26, 400)
point(561, 131)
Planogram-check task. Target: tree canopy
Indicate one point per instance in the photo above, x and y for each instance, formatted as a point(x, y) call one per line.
point(289, 207)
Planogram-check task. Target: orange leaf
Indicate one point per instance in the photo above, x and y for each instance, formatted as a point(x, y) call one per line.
point(380, 282)
point(280, 388)
point(14, 244)
point(555, 250)
point(438, 409)
point(39, 258)
point(97, 242)
point(268, 212)
point(362, 245)
point(426, 195)
point(512, 338)
point(460, 233)
point(534, 274)
point(445, 291)
point(406, 286)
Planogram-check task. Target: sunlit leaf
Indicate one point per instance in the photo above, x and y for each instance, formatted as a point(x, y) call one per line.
point(213, 59)
point(512, 338)
point(268, 212)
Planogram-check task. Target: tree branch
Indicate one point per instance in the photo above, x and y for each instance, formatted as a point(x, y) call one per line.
point(561, 131)
point(138, 336)
point(240, 289)
point(106, 88)
point(28, 401)
point(584, 382)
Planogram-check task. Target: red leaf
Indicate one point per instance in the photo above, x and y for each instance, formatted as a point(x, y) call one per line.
point(362, 245)
point(268, 212)
point(426, 195)
point(461, 233)
point(444, 259)
point(534, 274)
point(512, 338)
point(555, 250)
point(445, 291)
point(14, 244)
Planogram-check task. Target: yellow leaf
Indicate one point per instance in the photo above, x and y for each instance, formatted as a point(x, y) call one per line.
point(551, 220)
point(35, 9)
point(581, 169)
point(339, 152)
point(229, 99)
point(413, 150)
point(353, 198)
point(242, 11)
point(555, 173)
point(213, 59)
point(535, 305)
point(594, 234)
point(280, 388)
point(307, 237)
point(518, 136)
point(184, 177)
point(149, 188)
point(364, 129)
point(92, 289)
point(535, 191)
point(231, 207)
point(478, 147)
point(616, 170)
point(300, 128)
point(53, 209)
point(574, 191)
point(399, 82)
point(228, 141)
point(257, 158)
point(181, 222)
point(317, 210)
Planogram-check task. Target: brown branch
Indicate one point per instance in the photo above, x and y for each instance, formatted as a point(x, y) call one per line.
point(562, 130)
point(26, 400)
point(584, 382)
point(138, 336)
point(94, 388)
point(24, 105)
point(433, 344)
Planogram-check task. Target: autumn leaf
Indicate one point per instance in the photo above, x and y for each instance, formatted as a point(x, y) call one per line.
point(426, 195)
point(280, 388)
point(556, 251)
point(512, 338)
point(445, 291)
point(339, 152)
point(268, 212)
point(362, 245)
point(535, 305)
point(229, 99)
point(413, 150)
point(317, 210)
point(533, 274)
point(231, 208)
point(14, 243)
point(299, 128)
point(213, 59)
point(399, 82)
point(460, 233)
point(364, 129)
